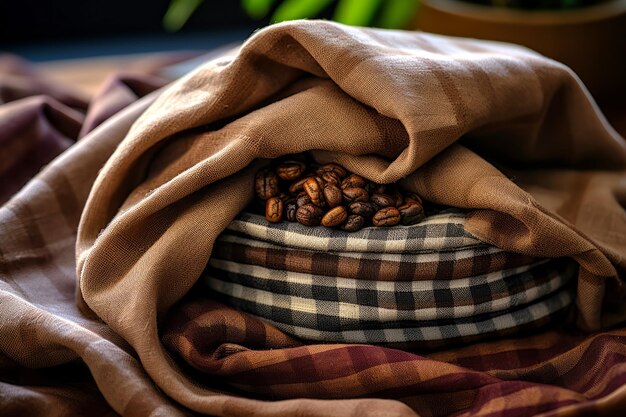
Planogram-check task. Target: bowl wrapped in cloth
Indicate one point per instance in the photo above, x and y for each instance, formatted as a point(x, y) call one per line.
point(495, 129)
point(430, 284)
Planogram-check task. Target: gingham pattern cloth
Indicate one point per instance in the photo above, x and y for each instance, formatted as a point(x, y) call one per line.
point(441, 265)
point(434, 331)
point(268, 290)
point(320, 309)
point(444, 231)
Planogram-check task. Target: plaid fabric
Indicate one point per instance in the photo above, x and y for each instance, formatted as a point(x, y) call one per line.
point(441, 232)
point(484, 325)
point(521, 377)
point(441, 265)
point(264, 292)
point(340, 323)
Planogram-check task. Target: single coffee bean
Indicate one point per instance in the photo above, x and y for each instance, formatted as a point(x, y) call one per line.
point(413, 196)
point(313, 188)
point(335, 217)
point(340, 171)
point(290, 210)
point(397, 197)
point(364, 209)
point(302, 199)
point(378, 189)
point(309, 215)
point(298, 186)
point(411, 212)
point(331, 178)
point(274, 209)
point(332, 195)
point(388, 216)
point(353, 181)
point(353, 223)
point(266, 184)
point(290, 170)
point(354, 194)
point(382, 200)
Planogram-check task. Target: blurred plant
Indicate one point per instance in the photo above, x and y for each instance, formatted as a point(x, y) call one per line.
point(392, 14)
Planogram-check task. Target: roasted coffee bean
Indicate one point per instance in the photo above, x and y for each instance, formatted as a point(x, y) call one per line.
point(335, 217)
point(330, 177)
point(309, 215)
point(363, 208)
point(266, 184)
point(290, 170)
point(353, 223)
point(413, 196)
point(397, 197)
point(298, 186)
point(353, 181)
point(411, 212)
point(302, 199)
point(382, 200)
point(340, 171)
point(378, 189)
point(332, 195)
point(313, 188)
point(354, 194)
point(274, 209)
point(388, 216)
point(290, 210)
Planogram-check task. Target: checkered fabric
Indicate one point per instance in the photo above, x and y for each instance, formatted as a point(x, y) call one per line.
point(354, 311)
point(483, 325)
point(389, 301)
point(442, 265)
point(443, 231)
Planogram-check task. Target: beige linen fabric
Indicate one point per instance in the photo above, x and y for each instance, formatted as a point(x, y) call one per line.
point(471, 124)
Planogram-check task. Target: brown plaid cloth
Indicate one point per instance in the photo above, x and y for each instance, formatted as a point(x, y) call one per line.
point(371, 266)
point(126, 220)
point(555, 373)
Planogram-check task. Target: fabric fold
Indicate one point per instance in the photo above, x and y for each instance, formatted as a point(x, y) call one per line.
point(129, 216)
point(387, 106)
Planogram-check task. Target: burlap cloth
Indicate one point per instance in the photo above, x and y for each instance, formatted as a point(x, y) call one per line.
point(469, 124)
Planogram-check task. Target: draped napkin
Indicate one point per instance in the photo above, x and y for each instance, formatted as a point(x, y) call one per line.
point(493, 128)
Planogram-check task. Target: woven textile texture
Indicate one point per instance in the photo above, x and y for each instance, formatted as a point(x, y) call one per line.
point(99, 246)
point(353, 311)
point(475, 260)
point(441, 232)
point(554, 373)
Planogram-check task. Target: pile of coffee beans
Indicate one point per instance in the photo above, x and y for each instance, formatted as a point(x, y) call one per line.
point(298, 190)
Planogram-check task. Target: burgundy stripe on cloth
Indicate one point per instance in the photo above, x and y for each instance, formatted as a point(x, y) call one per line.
point(538, 374)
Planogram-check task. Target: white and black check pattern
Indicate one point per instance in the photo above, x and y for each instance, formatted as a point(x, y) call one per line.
point(350, 299)
point(320, 312)
point(483, 325)
point(443, 231)
point(410, 258)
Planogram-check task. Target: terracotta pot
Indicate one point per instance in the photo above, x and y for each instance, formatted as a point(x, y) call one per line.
point(591, 40)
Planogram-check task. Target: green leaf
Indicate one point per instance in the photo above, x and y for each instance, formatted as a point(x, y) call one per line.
point(257, 9)
point(178, 13)
point(356, 12)
point(397, 14)
point(299, 9)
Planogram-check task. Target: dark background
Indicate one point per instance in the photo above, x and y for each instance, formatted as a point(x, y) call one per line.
point(55, 29)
